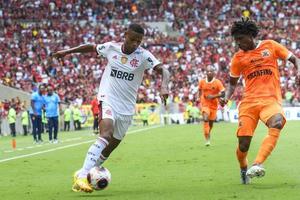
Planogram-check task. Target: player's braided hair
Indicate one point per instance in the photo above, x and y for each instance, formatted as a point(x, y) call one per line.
point(244, 26)
point(137, 28)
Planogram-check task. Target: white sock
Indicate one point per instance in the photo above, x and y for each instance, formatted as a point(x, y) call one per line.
point(101, 160)
point(92, 156)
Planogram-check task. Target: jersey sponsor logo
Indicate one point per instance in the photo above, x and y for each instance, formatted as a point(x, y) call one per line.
point(262, 72)
point(265, 53)
point(124, 59)
point(256, 60)
point(134, 62)
point(121, 75)
point(101, 47)
point(108, 112)
point(150, 61)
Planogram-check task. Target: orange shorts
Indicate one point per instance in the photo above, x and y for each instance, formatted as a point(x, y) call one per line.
point(250, 113)
point(212, 113)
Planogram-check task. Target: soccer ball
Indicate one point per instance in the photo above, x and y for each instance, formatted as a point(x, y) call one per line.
point(99, 178)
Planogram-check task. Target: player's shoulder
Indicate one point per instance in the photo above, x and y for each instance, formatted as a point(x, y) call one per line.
point(201, 81)
point(268, 41)
point(142, 51)
point(113, 44)
point(217, 80)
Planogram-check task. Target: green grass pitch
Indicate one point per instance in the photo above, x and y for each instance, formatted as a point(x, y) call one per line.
point(169, 162)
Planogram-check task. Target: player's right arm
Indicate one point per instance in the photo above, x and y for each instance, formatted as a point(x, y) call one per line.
point(84, 48)
point(234, 77)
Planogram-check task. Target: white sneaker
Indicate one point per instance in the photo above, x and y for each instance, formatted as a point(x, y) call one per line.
point(207, 143)
point(256, 171)
point(55, 141)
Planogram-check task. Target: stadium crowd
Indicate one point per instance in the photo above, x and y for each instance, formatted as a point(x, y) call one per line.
point(204, 39)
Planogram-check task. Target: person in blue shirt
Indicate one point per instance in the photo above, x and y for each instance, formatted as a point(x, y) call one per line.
point(37, 104)
point(52, 107)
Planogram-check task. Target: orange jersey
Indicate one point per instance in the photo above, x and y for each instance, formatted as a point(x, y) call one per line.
point(259, 69)
point(210, 88)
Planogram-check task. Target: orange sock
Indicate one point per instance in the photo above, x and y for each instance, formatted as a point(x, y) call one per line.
point(267, 146)
point(242, 158)
point(206, 130)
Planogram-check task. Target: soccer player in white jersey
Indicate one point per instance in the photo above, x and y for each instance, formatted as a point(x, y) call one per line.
point(117, 95)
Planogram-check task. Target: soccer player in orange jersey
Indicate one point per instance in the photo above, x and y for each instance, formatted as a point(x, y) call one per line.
point(210, 89)
point(256, 63)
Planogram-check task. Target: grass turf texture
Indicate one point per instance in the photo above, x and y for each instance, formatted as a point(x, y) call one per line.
point(168, 162)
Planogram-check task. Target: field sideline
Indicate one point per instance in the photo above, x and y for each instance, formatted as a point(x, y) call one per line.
point(169, 162)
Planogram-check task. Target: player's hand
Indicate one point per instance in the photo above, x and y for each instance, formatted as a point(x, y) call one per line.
point(223, 101)
point(59, 55)
point(209, 97)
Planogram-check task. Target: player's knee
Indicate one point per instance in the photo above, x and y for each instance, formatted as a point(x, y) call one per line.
point(278, 124)
point(244, 146)
point(107, 134)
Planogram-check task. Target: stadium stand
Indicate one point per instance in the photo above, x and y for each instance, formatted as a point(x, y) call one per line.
point(32, 29)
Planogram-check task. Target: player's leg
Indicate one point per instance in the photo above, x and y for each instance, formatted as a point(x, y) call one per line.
point(106, 126)
point(113, 144)
point(80, 177)
point(206, 128)
point(94, 152)
point(274, 124)
point(212, 117)
point(247, 125)
point(272, 115)
point(121, 126)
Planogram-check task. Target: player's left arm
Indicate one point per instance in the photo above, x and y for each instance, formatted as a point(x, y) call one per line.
point(164, 91)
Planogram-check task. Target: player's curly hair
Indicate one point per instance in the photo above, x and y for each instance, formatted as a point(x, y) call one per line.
point(244, 26)
point(137, 28)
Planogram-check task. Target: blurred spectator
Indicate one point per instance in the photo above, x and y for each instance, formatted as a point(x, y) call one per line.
point(52, 107)
point(37, 104)
point(95, 111)
point(204, 38)
point(67, 118)
point(25, 120)
point(77, 117)
point(12, 116)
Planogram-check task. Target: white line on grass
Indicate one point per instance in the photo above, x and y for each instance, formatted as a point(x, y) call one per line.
point(67, 146)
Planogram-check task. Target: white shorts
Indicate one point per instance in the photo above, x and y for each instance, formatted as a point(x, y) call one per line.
point(121, 122)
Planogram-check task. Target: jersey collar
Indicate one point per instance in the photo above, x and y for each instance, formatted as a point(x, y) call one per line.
point(209, 81)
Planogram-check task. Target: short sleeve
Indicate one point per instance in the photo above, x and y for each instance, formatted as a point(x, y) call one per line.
point(151, 61)
point(281, 51)
point(235, 68)
point(102, 49)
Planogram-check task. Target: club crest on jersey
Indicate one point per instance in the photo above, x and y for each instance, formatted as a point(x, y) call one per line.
point(115, 57)
point(265, 53)
point(108, 112)
point(124, 59)
point(134, 62)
